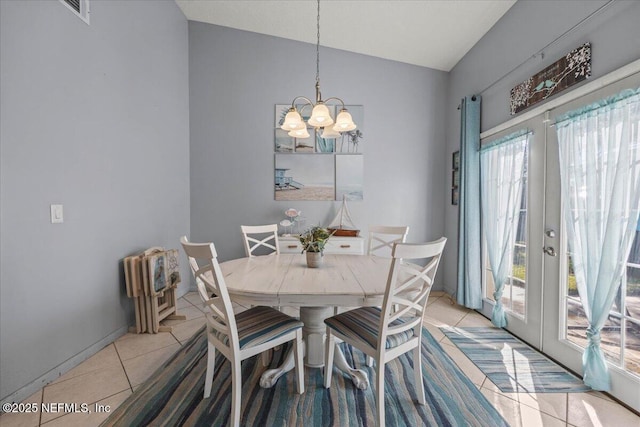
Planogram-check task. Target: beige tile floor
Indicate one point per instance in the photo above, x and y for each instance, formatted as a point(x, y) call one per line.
point(111, 375)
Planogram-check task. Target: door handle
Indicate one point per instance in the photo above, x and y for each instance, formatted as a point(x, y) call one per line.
point(549, 250)
point(550, 233)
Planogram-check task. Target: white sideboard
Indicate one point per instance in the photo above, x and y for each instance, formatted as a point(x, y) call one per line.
point(335, 245)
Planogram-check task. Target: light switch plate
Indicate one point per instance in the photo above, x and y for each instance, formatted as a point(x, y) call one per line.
point(56, 214)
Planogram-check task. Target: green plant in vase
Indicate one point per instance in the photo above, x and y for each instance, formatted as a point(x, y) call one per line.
point(313, 242)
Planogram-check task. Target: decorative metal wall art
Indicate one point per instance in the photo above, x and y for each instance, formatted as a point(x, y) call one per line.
point(573, 68)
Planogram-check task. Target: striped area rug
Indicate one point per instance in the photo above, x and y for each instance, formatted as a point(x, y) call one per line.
point(173, 395)
point(511, 364)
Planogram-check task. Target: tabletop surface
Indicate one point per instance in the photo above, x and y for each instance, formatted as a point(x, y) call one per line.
point(285, 279)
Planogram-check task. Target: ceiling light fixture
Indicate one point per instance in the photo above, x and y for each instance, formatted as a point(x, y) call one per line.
point(320, 116)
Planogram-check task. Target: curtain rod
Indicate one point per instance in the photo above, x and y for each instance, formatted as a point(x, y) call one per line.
point(541, 51)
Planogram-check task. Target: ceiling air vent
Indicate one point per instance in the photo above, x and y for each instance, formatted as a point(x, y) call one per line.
point(79, 7)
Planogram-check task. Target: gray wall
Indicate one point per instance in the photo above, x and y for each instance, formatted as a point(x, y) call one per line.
point(236, 77)
point(96, 118)
point(525, 29)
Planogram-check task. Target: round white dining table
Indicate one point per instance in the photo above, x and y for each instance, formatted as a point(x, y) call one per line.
point(284, 280)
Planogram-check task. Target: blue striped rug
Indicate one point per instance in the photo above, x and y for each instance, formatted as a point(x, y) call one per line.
point(512, 365)
point(173, 395)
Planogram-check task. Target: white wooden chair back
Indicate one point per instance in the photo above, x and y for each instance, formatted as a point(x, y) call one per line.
point(399, 321)
point(408, 287)
point(203, 260)
point(383, 237)
point(260, 236)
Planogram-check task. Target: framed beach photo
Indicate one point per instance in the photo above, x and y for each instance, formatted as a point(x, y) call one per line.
point(283, 142)
point(455, 178)
point(306, 145)
point(349, 176)
point(304, 177)
point(455, 195)
point(455, 160)
point(351, 142)
point(324, 145)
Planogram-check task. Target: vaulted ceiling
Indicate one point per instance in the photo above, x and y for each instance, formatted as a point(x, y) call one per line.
point(429, 33)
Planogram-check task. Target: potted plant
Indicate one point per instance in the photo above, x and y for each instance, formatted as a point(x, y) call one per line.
point(313, 242)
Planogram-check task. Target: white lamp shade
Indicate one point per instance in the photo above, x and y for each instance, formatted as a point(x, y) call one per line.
point(320, 116)
point(344, 122)
point(330, 133)
point(293, 121)
point(300, 133)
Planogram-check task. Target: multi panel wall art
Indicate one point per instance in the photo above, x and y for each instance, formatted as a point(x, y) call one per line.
point(317, 168)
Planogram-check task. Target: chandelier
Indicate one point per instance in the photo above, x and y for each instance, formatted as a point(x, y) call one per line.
point(320, 116)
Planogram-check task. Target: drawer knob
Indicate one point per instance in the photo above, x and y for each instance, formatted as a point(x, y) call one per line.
point(345, 246)
point(292, 246)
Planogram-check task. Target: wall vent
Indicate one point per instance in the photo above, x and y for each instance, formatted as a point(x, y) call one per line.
point(79, 7)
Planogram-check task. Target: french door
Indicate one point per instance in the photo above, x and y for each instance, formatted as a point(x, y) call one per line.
point(522, 294)
point(540, 298)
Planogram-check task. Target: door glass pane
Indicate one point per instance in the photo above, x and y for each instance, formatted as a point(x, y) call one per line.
point(577, 322)
point(632, 308)
point(632, 348)
point(519, 274)
point(514, 292)
point(610, 339)
point(620, 336)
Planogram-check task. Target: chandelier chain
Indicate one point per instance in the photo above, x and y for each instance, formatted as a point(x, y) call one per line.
point(320, 114)
point(318, 45)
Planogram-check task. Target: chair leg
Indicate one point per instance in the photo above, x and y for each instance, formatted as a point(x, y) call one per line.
point(380, 392)
point(265, 357)
point(297, 348)
point(211, 364)
point(417, 372)
point(236, 391)
point(330, 343)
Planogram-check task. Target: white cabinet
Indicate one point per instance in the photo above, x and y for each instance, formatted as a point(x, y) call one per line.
point(335, 245)
point(289, 245)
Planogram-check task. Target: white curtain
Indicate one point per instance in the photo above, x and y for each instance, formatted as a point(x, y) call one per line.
point(502, 172)
point(600, 181)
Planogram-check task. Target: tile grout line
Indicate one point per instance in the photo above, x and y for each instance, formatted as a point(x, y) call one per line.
point(123, 368)
point(41, 402)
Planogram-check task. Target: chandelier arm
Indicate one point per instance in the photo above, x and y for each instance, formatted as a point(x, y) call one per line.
point(337, 99)
point(293, 103)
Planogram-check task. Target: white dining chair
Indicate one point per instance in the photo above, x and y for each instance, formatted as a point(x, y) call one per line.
point(237, 336)
point(382, 238)
point(382, 332)
point(381, 241)
point(260, 239)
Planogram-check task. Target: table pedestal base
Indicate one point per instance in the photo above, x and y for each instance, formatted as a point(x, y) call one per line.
point(313, 334)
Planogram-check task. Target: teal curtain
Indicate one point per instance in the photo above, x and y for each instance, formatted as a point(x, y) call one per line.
point(469, 290)
point(502, 170)
point(600, 182)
